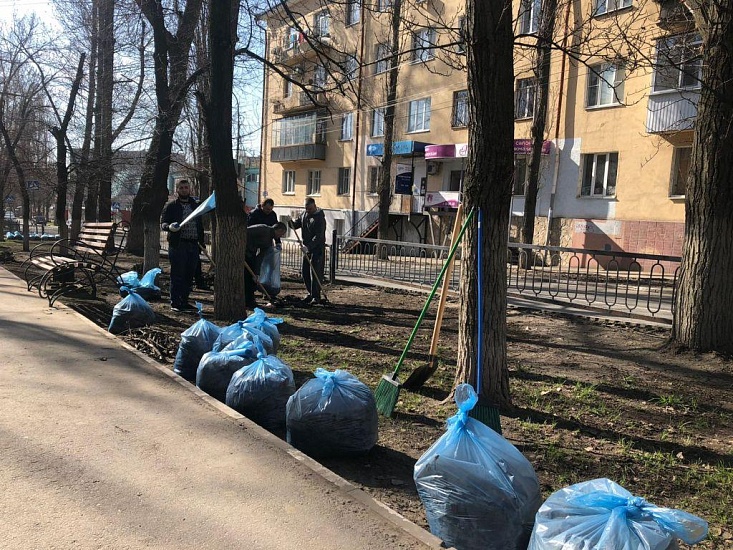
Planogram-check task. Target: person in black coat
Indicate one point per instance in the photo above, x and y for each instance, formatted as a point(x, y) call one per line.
point(183, 245)
point(259, 239)
point(313, 225)
point(263, 214)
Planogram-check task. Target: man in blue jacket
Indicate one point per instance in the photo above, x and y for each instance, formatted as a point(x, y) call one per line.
point(313, 225)
point(183, 245)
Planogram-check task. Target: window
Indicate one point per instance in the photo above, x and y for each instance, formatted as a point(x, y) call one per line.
point(456, 179)
point(459, 118)
point(607, 6)
point(378, 122)
point(292, 38)
point(381, 58)
point(297, 130)
point(347, 126)
point(524, 98)
point(384, 5)
point(287, 87)
point(288, 182)
point(461, 46)
point(521, 173)
point(344, 184)
point(423, 45)
point(529, 16)
point(351, 67)
point(418, 119)
point(599, 175)
point(681, 161)
point(605, 85)
point(679, 63)
point(322, 24)
point(319, 77)
point(314, 182)
point(375, 174)
point(353, 11)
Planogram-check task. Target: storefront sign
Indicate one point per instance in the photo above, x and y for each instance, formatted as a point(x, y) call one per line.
point(438, 199)
point(440, 151)
point(399, 148)
point(524, 147)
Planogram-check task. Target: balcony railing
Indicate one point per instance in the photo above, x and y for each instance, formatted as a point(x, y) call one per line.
point(672, 111)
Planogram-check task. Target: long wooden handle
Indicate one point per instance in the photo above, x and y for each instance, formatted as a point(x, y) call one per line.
point(446, 284)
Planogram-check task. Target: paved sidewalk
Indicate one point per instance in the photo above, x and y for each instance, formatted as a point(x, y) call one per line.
point(101, 448)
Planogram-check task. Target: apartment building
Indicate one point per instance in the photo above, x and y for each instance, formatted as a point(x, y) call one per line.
point(618, 137)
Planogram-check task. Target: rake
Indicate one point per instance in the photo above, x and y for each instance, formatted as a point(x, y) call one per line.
point(388, 389)
point(483, 411)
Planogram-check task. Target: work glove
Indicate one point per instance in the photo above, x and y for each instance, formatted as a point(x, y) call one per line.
point(175, 227)
point(304, 249)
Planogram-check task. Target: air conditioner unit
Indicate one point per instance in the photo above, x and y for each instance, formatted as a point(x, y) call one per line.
point(433, 168)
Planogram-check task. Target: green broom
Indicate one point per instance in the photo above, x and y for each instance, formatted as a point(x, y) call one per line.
point(482, 411)
point(388, 389)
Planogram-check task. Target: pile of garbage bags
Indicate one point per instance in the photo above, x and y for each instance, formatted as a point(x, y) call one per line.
point(144, 287)
point(131, 312)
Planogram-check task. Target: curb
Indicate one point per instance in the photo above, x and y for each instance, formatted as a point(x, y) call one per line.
point(382, 510)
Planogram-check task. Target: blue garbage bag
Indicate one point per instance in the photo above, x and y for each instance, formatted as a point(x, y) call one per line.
point(601, 515)
point(196, 340)
point(270, 271)
point(260, 391)
point(145, 287)
point(129, 279)
point(268, 325)
point(333, 414)
point(232, 337)
point(216, 368)
point(478, 490)
point(131, 312)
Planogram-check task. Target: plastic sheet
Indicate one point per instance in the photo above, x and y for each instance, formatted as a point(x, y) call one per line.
point(479, 491)
point(260, 391)
point(601, 515)
point(270, 271)
point(333, 414)
point(196, 340)
point(131, 312)
point(215, 369)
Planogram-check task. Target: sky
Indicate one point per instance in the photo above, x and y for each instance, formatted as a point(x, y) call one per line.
point(23, 7)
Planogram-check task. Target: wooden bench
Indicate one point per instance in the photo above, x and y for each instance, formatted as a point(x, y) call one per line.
point(66, 266)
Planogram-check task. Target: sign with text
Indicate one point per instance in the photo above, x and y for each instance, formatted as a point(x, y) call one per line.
point(438, 199)
point(403, 180)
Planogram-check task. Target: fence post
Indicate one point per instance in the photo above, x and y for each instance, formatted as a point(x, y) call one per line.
point(334, 257)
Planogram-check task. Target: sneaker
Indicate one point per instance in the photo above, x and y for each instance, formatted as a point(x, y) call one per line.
point(307, 299)
point(177, 309)
point(315, 301)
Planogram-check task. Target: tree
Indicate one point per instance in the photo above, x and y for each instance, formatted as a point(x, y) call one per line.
point(172, 82)
point(704, 318)
point(231, 222)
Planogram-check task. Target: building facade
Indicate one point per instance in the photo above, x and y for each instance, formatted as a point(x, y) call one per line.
point(622, 92)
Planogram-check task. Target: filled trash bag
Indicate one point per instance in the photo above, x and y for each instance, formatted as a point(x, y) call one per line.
point(233, 336)
point(270, 271)
point(268, 325)
point(333, 414)
point(216, 368)
point(145, 287)
point(260, 391)
point(196, 340)
point(601, 515)
point(479, 491)
point(131, 312)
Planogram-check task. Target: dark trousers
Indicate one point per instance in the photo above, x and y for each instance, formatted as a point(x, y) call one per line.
point(184, 258)
point(317, 258)
point(249, 282)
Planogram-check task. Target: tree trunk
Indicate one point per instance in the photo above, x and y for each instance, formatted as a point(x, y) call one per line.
point(91, 205)
point(488, 186)
point(384, 190)
point(104, 118)
point(539, 121)
point(231, 222)
point(703, 317)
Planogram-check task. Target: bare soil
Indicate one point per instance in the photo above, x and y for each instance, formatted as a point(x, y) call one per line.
point(592, 399)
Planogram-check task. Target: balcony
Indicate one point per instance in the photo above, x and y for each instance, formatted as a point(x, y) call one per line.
point(298, 102)
point(672, 111)
point(674, 16)
point(291, 54)
point(293, 153)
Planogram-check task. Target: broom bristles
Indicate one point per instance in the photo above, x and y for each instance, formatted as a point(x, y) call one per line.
point(487, 415)
point(386, 395)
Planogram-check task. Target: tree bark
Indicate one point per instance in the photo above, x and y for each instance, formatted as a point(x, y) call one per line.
point(703, 315)
point(104, 116)
point(488, 187)
point(231, 222)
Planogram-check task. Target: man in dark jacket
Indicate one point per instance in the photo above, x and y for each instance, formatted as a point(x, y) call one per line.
point(263, 214)
point(259, 240)
point(313, 225)
point(183, 245)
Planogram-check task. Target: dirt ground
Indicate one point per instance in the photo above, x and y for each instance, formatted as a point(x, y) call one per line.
point(592, 399)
